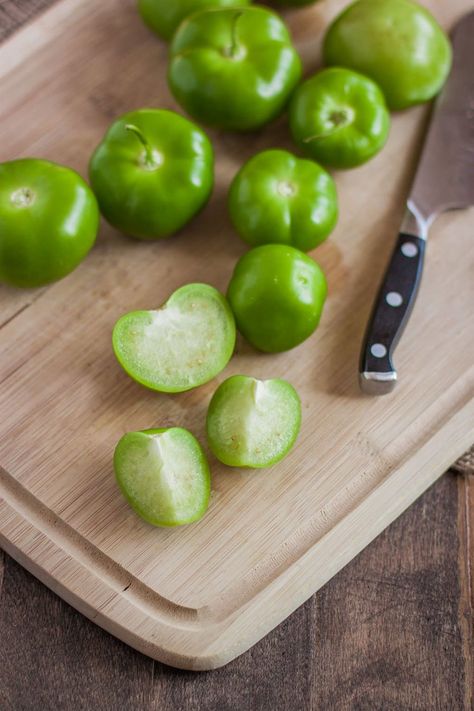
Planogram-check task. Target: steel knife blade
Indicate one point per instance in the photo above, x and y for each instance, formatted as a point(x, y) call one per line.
point(444, 181)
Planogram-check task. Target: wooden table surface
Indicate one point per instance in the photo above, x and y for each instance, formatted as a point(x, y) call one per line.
point(392, 632)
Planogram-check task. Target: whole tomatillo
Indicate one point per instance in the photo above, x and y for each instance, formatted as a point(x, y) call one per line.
point(48, 221)
point(165, 16)
point(233, 68)
point(277, 197)
point(152, 172)
point(397, 43)
point(339, 118)
point(277, 294)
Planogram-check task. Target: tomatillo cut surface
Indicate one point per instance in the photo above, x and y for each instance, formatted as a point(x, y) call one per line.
point(233, 68)
point(397, 43)
point(339, 117)
point(164, 16)
point(164, 475)
point(279, 198)
point(48, 221)
point(277, 294)
point(152, 172)
point(253, 423)
point(185, 343)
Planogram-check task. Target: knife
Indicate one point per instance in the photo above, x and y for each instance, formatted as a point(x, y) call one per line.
point(444, 181)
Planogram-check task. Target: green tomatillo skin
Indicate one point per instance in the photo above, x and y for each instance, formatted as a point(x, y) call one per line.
point(164, 475)
point(165, 16)
point(152, 172)
point(397, 43)
point(294, 3)
point(279, 198)
point(253, 423)
point(48, 221)
point(277, 294)
point(185, 343)
point(339, 117)
point(234, 69)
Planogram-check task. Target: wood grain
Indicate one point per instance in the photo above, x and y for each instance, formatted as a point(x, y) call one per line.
point(14, 13)
point(193, 597)
point(351, 707)
point(393, 631)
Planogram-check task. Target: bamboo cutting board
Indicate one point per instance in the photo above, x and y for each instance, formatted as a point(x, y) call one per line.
point(197, 597)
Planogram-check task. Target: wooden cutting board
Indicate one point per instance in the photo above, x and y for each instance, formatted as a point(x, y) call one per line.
point(197, 597)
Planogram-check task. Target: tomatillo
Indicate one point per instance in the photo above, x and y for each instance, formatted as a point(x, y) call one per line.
point(253, 423)
point(164, 475)
point(164, 16)
point(294, 3)
point(277, 294)
point(179, 346)
point(233, 68)
point(397, 43)
point(153, 171)
point(339, 117)
point(279, 198)
point(48, 221)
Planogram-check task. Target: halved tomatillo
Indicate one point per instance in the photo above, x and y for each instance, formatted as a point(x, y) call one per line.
point(253, 423)
point(164, 475)
point(185, 343)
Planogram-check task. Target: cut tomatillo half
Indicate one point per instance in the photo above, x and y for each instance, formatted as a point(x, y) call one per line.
point(185, 343)
point(253, 423)
point(164, 475)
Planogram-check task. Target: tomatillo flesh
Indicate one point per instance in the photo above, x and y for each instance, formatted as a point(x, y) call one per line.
point(339, 117)
point(152, 173)
point(277, 294)
point(164, 475)
point(253, 423)
point(48, 221)
point(279, 198)
point(233, 68)
point(185, 343)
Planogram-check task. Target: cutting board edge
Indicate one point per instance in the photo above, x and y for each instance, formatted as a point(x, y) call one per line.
point(206, 646)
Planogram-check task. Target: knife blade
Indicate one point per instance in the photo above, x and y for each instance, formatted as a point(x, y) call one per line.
point(444, 181)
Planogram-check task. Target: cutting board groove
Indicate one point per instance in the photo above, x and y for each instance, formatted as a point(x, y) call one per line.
point(197, 597)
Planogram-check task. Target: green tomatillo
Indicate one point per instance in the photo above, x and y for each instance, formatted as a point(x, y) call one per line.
point(179, 346)
point(279, 198)
point(234, 68)
point(164, 475)
point(153, 171)
point(294, 3)
point(164, 16)
point(397, 43)
point(277, 294)
point(339, 117)
point(48, 221)
point(253, 423)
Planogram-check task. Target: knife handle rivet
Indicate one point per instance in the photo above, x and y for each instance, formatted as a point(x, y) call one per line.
point(409, 249)
point(378, 350)
point(393, 298)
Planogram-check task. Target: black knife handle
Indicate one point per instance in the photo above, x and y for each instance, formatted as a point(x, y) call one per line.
point(390, 314)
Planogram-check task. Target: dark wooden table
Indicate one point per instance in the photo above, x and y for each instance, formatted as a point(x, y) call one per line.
point(392, 632)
